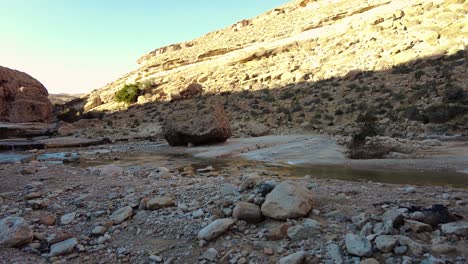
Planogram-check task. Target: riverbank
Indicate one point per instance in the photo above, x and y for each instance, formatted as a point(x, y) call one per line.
point(78, 200)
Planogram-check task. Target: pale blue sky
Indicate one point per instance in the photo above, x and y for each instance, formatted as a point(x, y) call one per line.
point(75, 46)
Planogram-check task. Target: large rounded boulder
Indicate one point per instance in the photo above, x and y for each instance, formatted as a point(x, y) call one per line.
point(288, 200)
point(206, 126)
point(22, 98)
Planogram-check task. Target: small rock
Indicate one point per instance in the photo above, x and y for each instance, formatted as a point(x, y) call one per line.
point(278, 232)
point(210, 254)
point(155, 258)
point(32, 195)
point(63, 248)
point(400, 250)
point(443, 249)
point(121, 215)
point(369, 261)
point(385, 243)
point(159, 202)
point(418, 227)
point(248, 212)
point(457, 228)
point(98, 230)
point(358, 245)
point(67, 218)
point(48, 220)
point(296, 258)
point(15, 232)
point(268, 251)
point(415, 247)
point(249, 181)
point(393, 217)
point(409, 189)
point(215, 229)
point(335, 253)
point(198, 213)
point(205, 170)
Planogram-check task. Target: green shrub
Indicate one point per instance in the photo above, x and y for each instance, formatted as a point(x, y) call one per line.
point(128, 94)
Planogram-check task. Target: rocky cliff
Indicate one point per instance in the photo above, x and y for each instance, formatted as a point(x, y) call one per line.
point(315, 65)
point(23, 98)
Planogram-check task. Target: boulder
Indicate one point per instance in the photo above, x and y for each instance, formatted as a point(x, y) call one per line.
point(208, 126)
point(22, 98)
point(288, 200)
point(14, 232)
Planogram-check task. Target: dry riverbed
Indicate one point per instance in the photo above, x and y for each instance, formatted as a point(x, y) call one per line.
point(142, 203)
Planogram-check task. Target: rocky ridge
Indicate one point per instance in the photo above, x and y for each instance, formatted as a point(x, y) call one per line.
point(22, 98)
point(313, 65)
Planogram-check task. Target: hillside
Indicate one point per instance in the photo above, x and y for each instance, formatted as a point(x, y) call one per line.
point(312, 65)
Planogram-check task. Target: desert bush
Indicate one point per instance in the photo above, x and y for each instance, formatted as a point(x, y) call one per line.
point(128, 94)
point(455, 95)
point(442, 113)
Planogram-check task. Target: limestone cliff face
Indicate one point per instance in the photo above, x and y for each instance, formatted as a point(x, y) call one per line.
point(23, 98)
point(332, 60)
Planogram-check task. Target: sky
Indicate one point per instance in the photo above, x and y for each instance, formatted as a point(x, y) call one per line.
point(75, 46)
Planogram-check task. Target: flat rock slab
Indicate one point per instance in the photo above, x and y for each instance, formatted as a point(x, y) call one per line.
point(58, 142)
point(9, 130)
point(286, 149)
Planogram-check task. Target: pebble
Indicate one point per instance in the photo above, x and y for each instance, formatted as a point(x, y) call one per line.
point(210, 254)
point(98, 230)
point(295, 258)
point(198, 213)
point(67, 218)
point(155, 258)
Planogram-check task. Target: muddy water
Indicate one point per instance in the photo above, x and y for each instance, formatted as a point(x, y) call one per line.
point(237, 167)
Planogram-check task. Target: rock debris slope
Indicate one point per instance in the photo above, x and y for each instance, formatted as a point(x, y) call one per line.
point(315, 65)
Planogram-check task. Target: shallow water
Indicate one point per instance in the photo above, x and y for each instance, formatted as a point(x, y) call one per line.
point(237, 167)
point(341, 172)
point(12, 157)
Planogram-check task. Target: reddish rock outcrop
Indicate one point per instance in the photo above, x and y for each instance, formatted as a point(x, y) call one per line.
point(23, 98)
point(197, 127)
